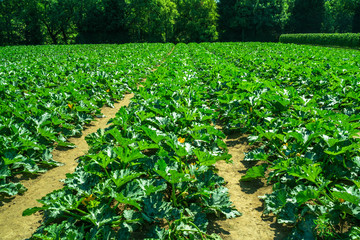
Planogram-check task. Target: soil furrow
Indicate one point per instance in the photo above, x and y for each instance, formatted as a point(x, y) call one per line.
point(251, 225)
point(12, 224)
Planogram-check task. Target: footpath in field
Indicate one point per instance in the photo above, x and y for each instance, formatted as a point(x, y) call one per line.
point(182, 128)
point(245, 196)
point(12, 224)
point(250, 225)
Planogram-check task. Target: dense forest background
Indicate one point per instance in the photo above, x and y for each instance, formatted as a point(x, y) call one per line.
point(119, 21)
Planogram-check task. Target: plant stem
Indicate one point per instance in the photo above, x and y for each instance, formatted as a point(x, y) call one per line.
point(173, 196)
point(193, 224)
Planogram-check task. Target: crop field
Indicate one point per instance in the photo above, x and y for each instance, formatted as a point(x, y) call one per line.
point(152, 173)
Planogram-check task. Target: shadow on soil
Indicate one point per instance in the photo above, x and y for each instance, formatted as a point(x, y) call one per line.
point(215, 227)
point(251, 187)
point(5, 198)
point(281, 232)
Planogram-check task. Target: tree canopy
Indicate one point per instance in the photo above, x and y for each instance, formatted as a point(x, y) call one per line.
point(120, 21)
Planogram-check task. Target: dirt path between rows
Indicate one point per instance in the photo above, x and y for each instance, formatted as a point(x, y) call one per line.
point(13, 225)
point(251, 225)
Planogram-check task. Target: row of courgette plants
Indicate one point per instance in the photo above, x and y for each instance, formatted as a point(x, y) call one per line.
point(300, 106)
point(151, 174)
point(48, 93)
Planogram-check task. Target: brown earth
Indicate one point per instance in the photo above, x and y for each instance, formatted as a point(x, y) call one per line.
point(13, 225)
point(252, 225)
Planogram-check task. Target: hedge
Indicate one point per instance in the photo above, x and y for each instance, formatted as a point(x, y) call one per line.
point(328, 39)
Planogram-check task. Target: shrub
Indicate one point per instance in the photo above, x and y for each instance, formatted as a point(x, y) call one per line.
point(330, 39)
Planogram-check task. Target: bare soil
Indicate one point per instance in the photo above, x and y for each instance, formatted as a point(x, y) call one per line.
point(13, 225)
point(252, 225)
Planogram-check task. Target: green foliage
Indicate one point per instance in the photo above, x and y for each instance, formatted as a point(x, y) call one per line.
point(306, 16)
point(57, 92)
point(102, 22)
point(107, 21)
point(340, 16)
point(152, 21)
point(150, 174)
point(197, 21)
point(123, 21)
point(327, 39)
point(299, 106)
point(255, 173)
point(19, 23)
point(58, 19)
point(250, 20)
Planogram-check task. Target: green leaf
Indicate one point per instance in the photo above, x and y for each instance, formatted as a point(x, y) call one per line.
point(306, 195)
point(308, 172)
point(148, 186)
point(256, 155)
point(123, 176)
point(275, 201)
point(124, 142)
point(155, 208)
point(31, 211)
point(154, 134)
point(255, 173)
point(143, 115)
point(349, 194)
point(102, 159)
point(170, 175)
point(180, 150)
point(101, 215)
point(143, 145)
point(207, 159)
point(219, 202)
point(128, 201)
point(127, 155)
point(12, 189)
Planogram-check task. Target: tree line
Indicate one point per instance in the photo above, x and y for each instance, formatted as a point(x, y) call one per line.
point(119, 21)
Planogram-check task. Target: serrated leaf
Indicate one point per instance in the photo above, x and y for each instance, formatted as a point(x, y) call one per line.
point(31, 211)
point(255, 173)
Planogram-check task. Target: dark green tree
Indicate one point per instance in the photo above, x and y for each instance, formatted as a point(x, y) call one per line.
point(356, 20)
point(33, 29)
point(8, 23)
point(197, 21)
point(57, 16)
point(20, 23)
point(306, 16)
point(228, 31)
point(151, 20)
point(247, 20)
point(102, 21)
point(341, 15)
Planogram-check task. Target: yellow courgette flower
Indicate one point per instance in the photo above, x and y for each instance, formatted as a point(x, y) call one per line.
point(70, 105)
point(181, 140)
point(88, 199)
point(108, 90)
